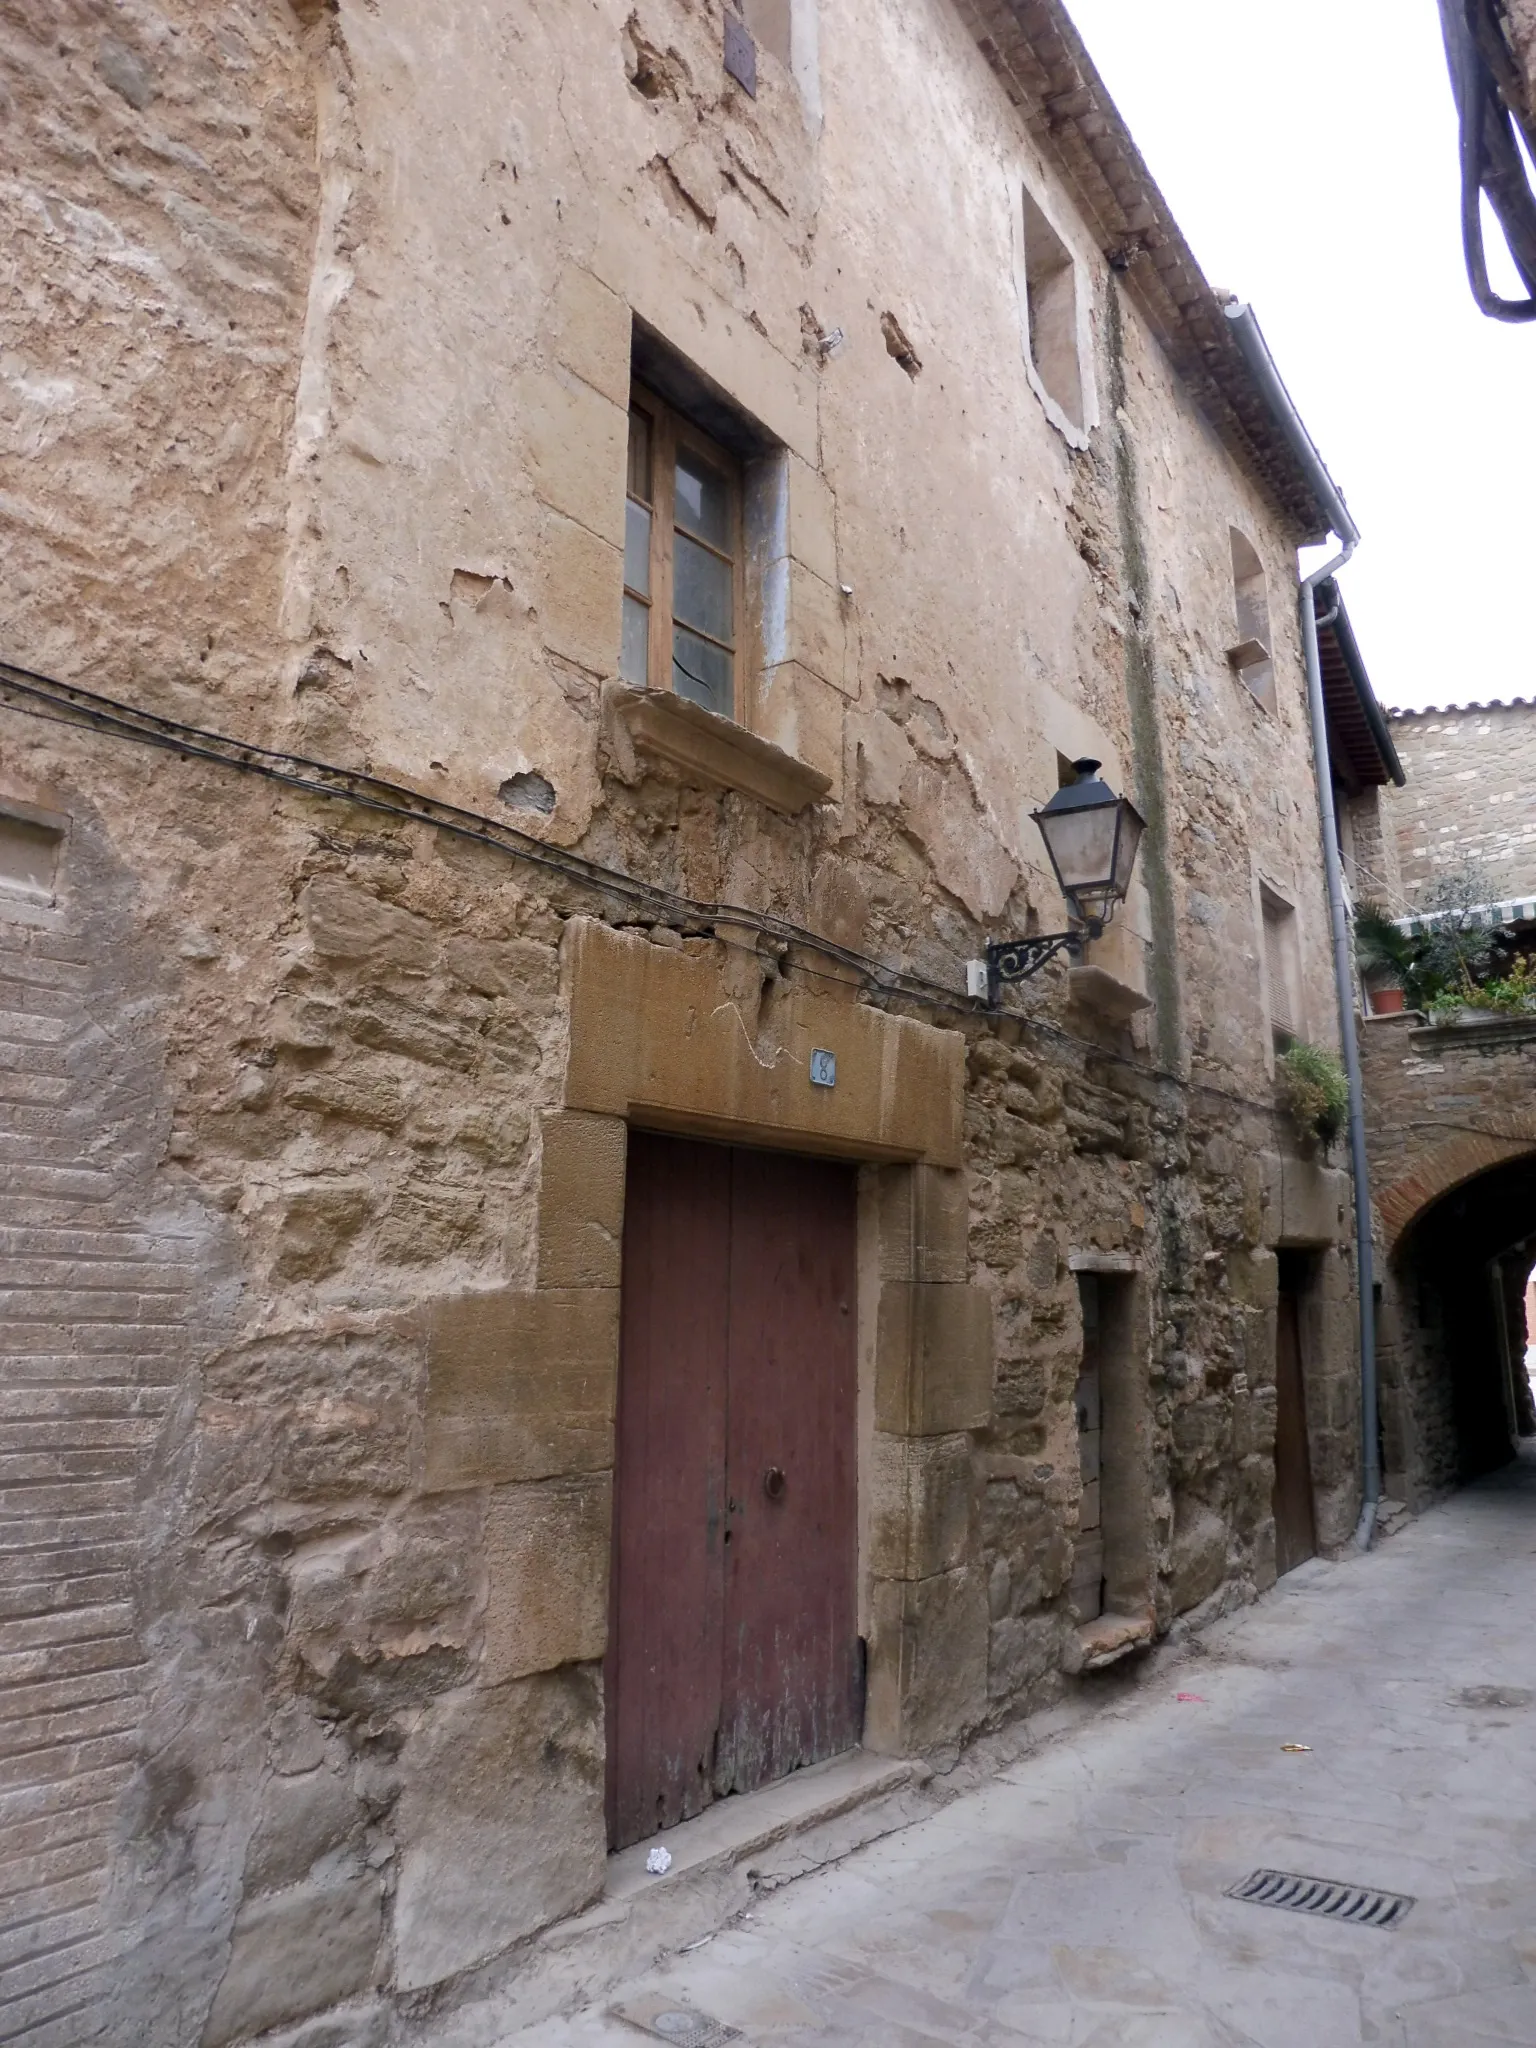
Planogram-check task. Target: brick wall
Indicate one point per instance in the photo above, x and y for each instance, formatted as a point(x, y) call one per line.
point(1467, 803)
point(94, 1281)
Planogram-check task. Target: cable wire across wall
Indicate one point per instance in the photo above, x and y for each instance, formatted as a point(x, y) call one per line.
point(45, 697)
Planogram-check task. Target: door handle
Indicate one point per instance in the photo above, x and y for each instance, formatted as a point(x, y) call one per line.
point(774, 1482)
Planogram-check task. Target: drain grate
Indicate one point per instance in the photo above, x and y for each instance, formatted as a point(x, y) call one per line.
point(1356, 1904)
point(684, 2029)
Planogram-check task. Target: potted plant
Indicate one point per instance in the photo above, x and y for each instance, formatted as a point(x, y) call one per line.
point(1385, 957)
point(1316, 1091)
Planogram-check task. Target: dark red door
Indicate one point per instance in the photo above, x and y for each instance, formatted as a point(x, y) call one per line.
point(733, 1652)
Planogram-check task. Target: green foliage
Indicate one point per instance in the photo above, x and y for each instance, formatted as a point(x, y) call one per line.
point(1507, 995)
point(1317, 1090)
point(1437, 967)
point(1380, 947)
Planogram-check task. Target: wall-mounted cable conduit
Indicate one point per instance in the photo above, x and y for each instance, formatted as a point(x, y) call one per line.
point(33, 695)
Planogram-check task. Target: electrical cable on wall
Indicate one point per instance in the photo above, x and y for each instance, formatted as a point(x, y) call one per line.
point(33, 695)
point(1495, 118)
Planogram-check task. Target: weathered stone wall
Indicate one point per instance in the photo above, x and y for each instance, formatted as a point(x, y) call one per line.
point(1467, 803)
point(1372, 865)
point(1446, 1107)
point(336, 462)
point(1443, 1103)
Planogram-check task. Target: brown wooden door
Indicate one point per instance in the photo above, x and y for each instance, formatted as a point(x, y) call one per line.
point(1295, 1531)
point(733, 1652)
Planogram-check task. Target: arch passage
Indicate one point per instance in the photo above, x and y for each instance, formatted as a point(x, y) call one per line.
point(1437, 1172)
point(1455, 1395)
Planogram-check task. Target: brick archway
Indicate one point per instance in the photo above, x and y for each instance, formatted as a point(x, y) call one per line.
point(1439, 1170)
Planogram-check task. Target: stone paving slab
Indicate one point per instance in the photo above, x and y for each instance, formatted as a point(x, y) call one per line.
point(1078, 1897)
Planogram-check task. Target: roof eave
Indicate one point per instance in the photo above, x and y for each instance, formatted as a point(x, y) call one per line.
point(1044, 67)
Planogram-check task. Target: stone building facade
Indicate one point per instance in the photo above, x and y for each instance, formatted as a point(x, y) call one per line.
point(1451, 1127)
point(1466, 810)
point(358, 905)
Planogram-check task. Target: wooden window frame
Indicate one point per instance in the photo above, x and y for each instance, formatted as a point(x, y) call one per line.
point(671, 431)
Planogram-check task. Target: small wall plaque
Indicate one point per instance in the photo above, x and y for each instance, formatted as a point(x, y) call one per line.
point(741, 54)
point(823, 1069)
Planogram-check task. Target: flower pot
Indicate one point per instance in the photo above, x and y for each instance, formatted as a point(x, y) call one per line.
point(1386, 1002)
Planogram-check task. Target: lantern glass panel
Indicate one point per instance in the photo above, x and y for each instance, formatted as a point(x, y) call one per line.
point(1131, 827)
point(1082, 845)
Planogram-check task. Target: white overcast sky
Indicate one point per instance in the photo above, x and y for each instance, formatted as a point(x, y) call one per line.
point(1308, 151)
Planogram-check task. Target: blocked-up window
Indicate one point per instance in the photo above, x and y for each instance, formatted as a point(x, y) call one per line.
point(682, 559)
point(1251, 653)
point(1282, 965)
point(1050, 293)
point(30, 843)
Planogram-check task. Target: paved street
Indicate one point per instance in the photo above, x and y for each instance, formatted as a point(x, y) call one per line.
point(1079, 1897)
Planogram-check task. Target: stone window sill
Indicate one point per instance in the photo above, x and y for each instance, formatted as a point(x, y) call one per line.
point(1112, 1637)
point(1095, 988)
point(660, 726)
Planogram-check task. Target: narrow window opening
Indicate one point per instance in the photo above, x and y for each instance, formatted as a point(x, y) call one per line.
point(1111, 1564)
point(1050, 295)
point(1088, 1559)
point(1251, 653)
point(1282, 964)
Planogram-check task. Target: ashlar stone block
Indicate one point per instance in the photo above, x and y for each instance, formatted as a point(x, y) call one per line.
point(500, 1822)
point(923, 1506)
point(812, 520)
point(581, 578)
point(294, 1953)
point(803, 714)
point(927, 1661)
point(520, 1386)
point(934, 1358)
point(546, 1549)
point(581, 1200)
point(575, 439)
point(1254, 1278)
point(592, 333)
point(1199, 1562)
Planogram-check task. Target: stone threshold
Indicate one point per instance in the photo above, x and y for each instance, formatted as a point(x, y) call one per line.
point(739, 1849)
point(740, 1826)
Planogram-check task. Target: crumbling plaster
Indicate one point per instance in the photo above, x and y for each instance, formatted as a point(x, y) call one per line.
point(384, 504)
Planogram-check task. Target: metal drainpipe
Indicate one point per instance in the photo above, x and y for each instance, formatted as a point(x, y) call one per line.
point(1250, 340)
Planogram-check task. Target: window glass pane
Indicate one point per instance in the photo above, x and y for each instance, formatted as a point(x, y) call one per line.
point(703, 499)
point(701, 672)
point(633, 663)
point(640, 456)
point(637, 547)
point(701, 589)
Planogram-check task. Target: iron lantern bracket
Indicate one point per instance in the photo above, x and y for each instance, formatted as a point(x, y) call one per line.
point(1021, 959)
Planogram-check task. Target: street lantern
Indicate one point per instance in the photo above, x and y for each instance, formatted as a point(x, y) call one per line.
point(1091, 836)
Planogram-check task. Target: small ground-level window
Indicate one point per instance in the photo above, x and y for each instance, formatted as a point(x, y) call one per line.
point(1282, 964)
point(1251, 652)
point(682, 559)
point(1050, 295)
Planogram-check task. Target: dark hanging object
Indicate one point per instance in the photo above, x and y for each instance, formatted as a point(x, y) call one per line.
point(741, 55)
point(1491, 108)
